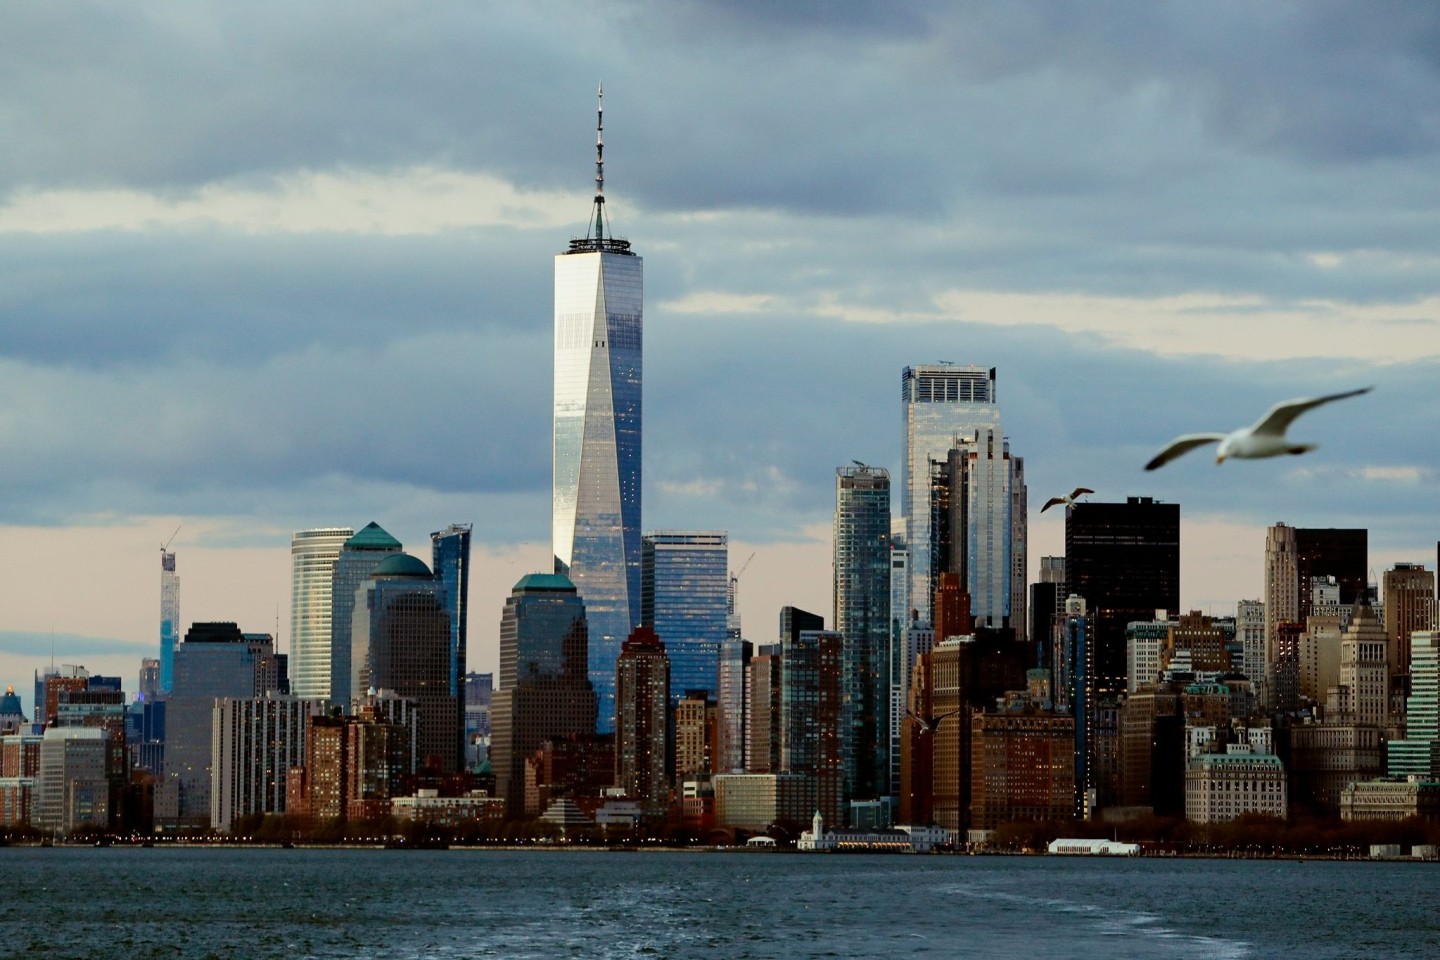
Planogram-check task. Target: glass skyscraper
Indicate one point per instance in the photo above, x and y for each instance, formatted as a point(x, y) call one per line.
point(684, 597)
point(169, 619)
point(312, 564)
point(942, 402)
point(595, 519)
point(862, 617)
point(450, 560)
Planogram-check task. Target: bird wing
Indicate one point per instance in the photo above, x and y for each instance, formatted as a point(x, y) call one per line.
point(1183, 445)
point(1279, 417)
point(1080, 490)
point(1052, 502)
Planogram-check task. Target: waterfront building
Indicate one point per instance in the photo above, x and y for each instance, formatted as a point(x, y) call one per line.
point(1220, 787)
point(948, 734)
point(545, 691)
point(684, 597)
point(581, 766)
point(1151, 750)
point(1392, 798)
point(358, 558)
point(257, 741)
point(313, 554)
point(595, 503)
point(74, 786)
point(940, 402)
point(695, 734)
point(450, 563)
point(861, 594)
point(758, 801)
point(1418, 753)
point(428, 807)
point(216, 660)
point(354, 766)
point(1324, 757)
point(169, 618)
point(642, 729)
point(908, 839)
point(1124, 559)
point(19, 778)
point(400, 641)
point(1022, 768)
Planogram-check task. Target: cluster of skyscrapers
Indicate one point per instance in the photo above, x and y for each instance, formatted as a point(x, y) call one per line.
point(947, 689)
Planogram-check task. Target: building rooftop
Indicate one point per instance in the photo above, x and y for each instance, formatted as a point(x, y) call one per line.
point(401, 565)
point(545, 581)
point(372, 537)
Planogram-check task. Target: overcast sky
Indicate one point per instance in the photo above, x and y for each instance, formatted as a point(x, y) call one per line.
point(267, 266)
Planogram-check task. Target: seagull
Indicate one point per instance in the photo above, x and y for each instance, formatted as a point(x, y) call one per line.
point(929, 724)
point(1265, 439)
point(1057, 501)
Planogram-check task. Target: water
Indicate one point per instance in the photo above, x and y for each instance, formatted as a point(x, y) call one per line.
point(198, 903)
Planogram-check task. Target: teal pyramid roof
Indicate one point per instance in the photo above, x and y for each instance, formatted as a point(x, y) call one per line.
point(372, 537)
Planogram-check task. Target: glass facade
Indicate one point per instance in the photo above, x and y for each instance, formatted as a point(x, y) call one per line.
point(596, 453)
point(941, 402)
point(450, 559)
point(359, 556)
point(312, 568)
point(169, 619)
point(862, 616)
point(986, 528)
point(684, 597)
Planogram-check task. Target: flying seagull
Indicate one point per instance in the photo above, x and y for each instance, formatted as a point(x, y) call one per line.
point(1074, 495)
point(928, 724)
point(1265, 439)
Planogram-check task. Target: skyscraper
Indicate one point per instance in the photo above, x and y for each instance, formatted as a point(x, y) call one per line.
point(169, 618)
point(980, 528)
point(684, 591)
point(861, 591)
point(312, 562)
point(595, 505)
point(942, 401)
point(450, 561)
point(1124, 560)
point(811, 697)
point(642, 719)
point(544, 690)
point(1409, 595)
point(359, 556)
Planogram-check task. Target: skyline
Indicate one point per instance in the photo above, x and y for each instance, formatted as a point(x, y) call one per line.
point(218, 294)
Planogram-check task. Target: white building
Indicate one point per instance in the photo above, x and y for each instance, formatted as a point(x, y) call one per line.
point(255, 743)
point(1222, 786)
point(312, 567)
point(73, 790)
point(908, 839)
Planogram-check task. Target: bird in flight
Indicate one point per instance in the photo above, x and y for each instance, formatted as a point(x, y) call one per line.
point(928, 724)
point(1074, 495)
point(1265, 439)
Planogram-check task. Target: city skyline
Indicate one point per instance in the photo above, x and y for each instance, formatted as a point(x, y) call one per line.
point(197, 359)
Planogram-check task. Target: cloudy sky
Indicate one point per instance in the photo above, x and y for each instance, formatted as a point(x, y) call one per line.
point(267, 267)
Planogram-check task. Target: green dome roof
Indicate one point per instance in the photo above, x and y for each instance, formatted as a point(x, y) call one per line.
point(400, 565)
point(373, 537)
point(544, 581)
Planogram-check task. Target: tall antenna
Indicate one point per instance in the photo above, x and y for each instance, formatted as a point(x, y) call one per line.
point(600, 162)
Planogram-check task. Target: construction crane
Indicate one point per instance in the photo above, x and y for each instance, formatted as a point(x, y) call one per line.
point(166, 545)
point(735, 585)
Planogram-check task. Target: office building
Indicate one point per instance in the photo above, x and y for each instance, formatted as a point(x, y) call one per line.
point(1408, 592)
point(400, 641)
point(941, 402)
point(733, 705)
point(1250, 634)
point(980, 528)
point(358, 558)
point(684, 598)
point(355, 766)
point(313, 554)
point(811, 694)
point(1418, 754)
point(169, 618)
point(595, 520)
point(450, 562)
point(544, 691)
point(1220, 787)
point(764, 730)
point(861, 593)
point(1078, 683)
point(1022, 767)
point(1124, 559)
point(695, 735)
point(74, 787)
point(642, 720)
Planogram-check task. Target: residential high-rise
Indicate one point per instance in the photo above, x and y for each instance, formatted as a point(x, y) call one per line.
point(811, 706)
point(358, 558)
point(764, 733)
point(595, 518)
point(450, 561)
point(1124, 559)
point(257, 741)
point(1408, 590)
point(642, 720)
point(169, 618)
point(400, 642)
point(1079, 685)
point(941, 402)
point(313, 554)
point(684, 591)
point(861, 591)
point(545, 691)
point(902, 651)
point(733, 705)
point(980, 528)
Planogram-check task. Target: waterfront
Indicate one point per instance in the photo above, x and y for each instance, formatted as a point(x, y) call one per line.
point(196, 903)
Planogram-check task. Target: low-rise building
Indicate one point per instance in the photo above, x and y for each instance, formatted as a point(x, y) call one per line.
point(755, 801)
point(1222, 786)
point(427, 806)
point(1391, 798)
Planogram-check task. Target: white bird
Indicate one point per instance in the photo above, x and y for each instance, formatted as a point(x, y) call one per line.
point(1265, 439)
point(1074, 495)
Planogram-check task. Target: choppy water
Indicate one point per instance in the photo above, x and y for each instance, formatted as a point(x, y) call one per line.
point(197, 903)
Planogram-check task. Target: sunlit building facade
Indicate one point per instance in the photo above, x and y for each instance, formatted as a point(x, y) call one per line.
point(684, 597)
point(313, 554)
point(169, 618)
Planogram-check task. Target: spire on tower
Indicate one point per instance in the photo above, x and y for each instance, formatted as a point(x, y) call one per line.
point(597, 227)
